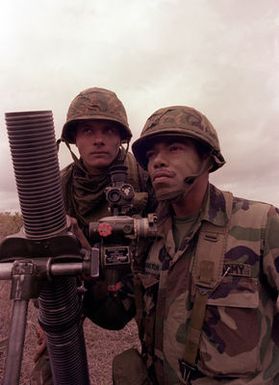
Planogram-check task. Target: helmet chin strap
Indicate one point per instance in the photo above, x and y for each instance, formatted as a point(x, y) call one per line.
point(73, 155)
point(124, 151)
point(189, 182)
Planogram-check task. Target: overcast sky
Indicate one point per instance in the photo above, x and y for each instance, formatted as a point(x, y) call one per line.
point(219, 56)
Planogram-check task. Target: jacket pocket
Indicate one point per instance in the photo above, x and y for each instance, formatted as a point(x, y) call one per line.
point(230, 338)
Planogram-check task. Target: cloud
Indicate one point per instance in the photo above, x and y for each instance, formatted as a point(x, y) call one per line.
point(219, 56)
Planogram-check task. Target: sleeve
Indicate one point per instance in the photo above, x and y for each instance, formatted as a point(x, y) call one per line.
point(271, 249)
point(271, 266)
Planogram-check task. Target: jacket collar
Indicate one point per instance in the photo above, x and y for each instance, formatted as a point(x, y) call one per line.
point(214, 210)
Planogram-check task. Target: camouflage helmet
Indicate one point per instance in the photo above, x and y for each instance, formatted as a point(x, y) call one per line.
point(96, 103)
point(178, 122)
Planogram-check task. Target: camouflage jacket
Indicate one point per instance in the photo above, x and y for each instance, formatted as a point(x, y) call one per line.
point(240, 335)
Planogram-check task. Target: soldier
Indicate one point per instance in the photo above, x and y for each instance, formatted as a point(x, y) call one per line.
point(209, 311)
point(97, 124)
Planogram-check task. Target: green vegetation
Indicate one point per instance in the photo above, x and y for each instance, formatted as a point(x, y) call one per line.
point(10, 223)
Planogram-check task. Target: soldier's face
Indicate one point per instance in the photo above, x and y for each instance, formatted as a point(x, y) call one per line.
point(169, 163)
point(98, 143)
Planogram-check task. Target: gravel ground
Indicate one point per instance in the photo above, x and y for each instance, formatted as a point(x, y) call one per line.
point(102, 345)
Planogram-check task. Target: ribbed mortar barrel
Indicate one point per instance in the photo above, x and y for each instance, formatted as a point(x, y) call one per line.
point(35, 162)
point(61, 321)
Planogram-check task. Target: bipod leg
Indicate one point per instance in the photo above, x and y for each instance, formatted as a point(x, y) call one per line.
point(16, 343)
point(23, 288)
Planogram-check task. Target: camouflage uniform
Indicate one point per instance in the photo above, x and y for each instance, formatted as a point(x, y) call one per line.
point(240, 336)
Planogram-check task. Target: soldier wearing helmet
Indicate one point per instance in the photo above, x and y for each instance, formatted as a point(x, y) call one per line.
point(208, 291)
point(96, 104)
point(191, 129)
point(97, 124)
